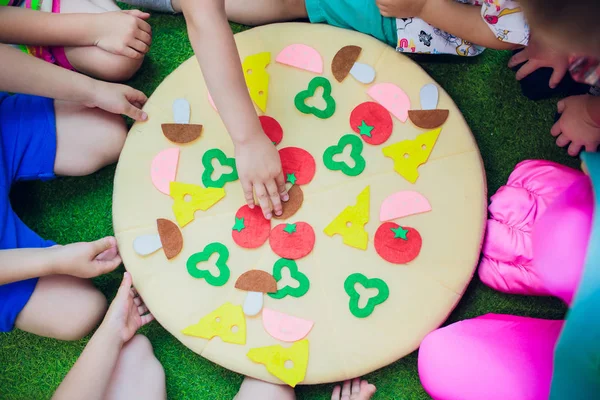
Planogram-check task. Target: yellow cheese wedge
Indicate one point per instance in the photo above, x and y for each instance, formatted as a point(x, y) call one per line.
point(226, 322)
point(275, 358)
point(257, 78)
point(350, 223)
point(408, 155)
point(200, 199)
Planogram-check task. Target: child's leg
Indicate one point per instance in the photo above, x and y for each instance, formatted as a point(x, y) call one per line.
point(138, 374)
point(41, 138)
point(94, 61)
point(252, 389)
point(263, 11)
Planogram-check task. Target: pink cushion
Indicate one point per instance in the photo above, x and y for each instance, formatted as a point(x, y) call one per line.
point(507, 263)
point(492, 357)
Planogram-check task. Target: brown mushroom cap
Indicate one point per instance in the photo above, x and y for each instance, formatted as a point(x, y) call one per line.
point(170, 237)
point(343, 61)
point(428, 119)
point(291, 206)
point(181, 133)
point(256, 281)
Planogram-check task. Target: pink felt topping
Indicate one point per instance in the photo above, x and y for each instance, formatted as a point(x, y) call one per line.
point(164, 169)
point(403, 204)
point(392, 98)
point(301, 56)
point(285, 327)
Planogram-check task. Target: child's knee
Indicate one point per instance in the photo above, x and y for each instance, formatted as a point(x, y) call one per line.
point(119, 68)
point(138, 353)
point(107, 150)
point(90, 310)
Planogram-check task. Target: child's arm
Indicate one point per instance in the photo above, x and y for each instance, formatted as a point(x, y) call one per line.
point(84, 260)
point(119, 32)
point(90, 376)
point(257, 160)
point(461, 20)
point(22, 73)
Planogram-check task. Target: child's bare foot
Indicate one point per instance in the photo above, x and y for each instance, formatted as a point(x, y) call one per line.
point(356, 389)
point(253, 389)
point(578, 125)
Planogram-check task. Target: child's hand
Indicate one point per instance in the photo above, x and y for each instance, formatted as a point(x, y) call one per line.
point(357, 390)
point(127, 313)
point(125, 33)
point(537, 55)
point(86, 259)
point(118, 99)
point(401, 8)
point(259, 169)
point(576, 125)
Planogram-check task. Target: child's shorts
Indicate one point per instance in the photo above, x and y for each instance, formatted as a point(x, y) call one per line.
point(359, 15)
point(27, 152)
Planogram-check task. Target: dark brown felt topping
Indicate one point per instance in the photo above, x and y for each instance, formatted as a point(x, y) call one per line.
point(343, 61)
point(428, 119)
point(256, 281)
point(291, 206)
point(170, 237)
point(181, 133)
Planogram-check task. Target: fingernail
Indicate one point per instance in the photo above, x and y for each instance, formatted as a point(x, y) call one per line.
point(251, 206)
point(269, 216)
point(144, 116)
point(278, 213)
point(285, 197)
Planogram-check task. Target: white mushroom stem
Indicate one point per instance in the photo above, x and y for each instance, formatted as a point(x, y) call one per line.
point(253, 303)
point(363, 73)
point(147, 244)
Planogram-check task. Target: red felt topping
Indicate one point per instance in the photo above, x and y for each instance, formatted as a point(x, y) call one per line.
point(292, 245)
point(397, 250)
point(299, 162)
point(272, 128)
point(375, 115)
point(256, 228)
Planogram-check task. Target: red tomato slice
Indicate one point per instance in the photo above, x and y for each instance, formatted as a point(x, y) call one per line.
point(272, 128)
point(376, 116)
point(396, 249)
point(256, 228)
point(292, 243)
point(299, 162)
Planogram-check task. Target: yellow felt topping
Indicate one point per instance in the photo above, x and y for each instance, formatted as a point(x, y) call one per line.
point(350, 223)
point(409, 154)
point(274, 358)
point(201, 199)
point(257, 78)
point(221, 323)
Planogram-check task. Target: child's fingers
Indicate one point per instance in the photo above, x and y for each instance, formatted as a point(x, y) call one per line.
point(283, 193)
point(557, 75)
point(526, 69)
point(518, 58)
point(248, 193)
point(346, 389)
point(137, 13)
point(123, 292)
point(273, 191)
point(556, 129)
point(263, 200)
point(367, 390)
point(130, 53)
point(336, 393)
point(574, 149)
point(143, 25)
point(144, 37)
point(147, 318)
point(139, 46)
point(355, 385)
point(562, 141)
point(135, 113)
point(142, 309)
point(560, 106)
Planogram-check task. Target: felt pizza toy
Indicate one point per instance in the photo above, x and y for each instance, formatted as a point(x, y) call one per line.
point(377, 242)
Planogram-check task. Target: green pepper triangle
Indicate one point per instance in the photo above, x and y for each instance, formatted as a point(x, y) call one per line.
point(374, 283)
point(303, 282)
point(209, 169)
point(203, 256)
point(355, 153)
point(315, 83)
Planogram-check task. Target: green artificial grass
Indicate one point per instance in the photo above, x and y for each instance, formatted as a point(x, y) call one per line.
point(508, 129)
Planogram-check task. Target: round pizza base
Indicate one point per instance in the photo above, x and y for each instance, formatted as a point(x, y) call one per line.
point(422, 293)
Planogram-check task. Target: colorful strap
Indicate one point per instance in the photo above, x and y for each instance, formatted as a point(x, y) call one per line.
point(577, 354)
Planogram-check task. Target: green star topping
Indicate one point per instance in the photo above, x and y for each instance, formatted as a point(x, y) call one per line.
point(239, 224)
point(365, 129)
point(291, 178)
point(400, 233)
point(290, 228)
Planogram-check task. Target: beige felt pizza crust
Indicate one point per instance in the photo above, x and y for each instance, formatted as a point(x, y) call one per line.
point(422, 293)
